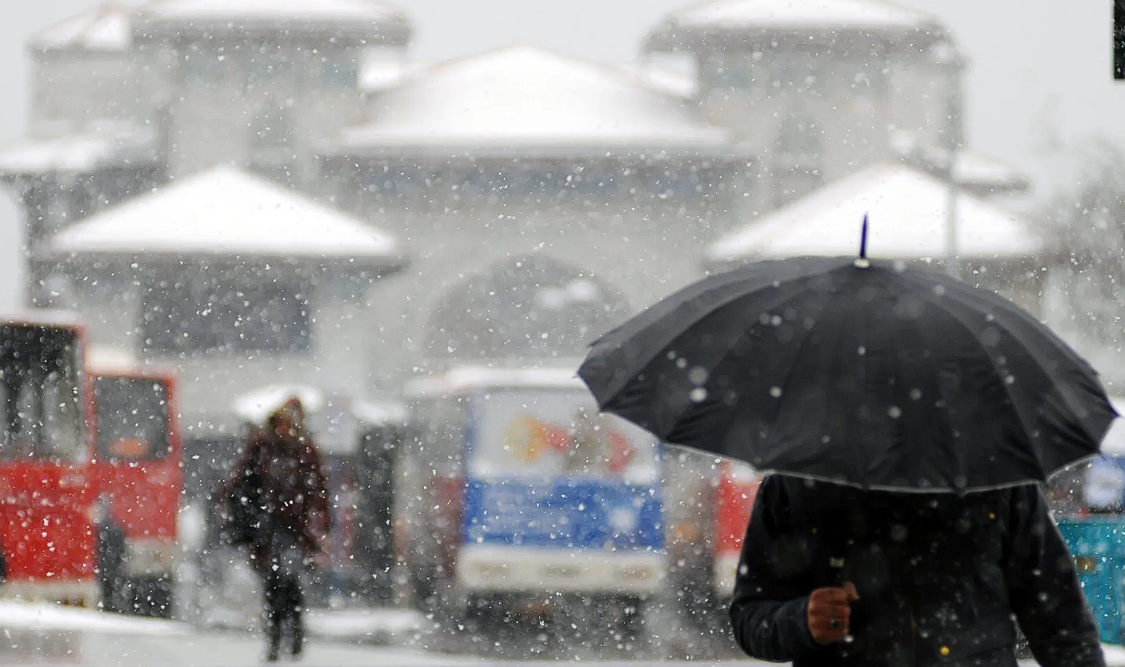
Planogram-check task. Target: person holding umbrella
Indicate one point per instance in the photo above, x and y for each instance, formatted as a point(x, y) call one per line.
point(929, 579)
point(907, 419)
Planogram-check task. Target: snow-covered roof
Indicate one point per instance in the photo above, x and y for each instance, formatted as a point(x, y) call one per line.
point(111, 359)
point(830, 18)
point(41, 317)
point(380, 413)
point(105, 29)
point(379, 74)
point(227, 213)
point(80, 152)
point(907, 210)
point(802, 14)
point(976, 171)
point(365, 20)
point(668, 81)
point(467, 379)
point(525, 100)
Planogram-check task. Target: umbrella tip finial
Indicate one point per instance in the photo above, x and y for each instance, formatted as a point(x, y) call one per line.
point(862, 261)
point(863, 239)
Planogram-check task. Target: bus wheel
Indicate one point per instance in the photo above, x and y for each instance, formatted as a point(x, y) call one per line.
point(629, 628)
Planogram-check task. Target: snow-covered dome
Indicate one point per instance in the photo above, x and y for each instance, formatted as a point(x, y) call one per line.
point(749, 19)
point(529, 101)
point(364, 21)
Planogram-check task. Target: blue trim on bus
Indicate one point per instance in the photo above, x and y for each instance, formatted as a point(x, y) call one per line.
point(564, 513)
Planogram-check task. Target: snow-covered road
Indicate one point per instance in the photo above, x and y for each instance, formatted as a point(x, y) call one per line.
point(49, 635)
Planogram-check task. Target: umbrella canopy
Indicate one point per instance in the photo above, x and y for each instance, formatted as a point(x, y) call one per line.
point(871, 374)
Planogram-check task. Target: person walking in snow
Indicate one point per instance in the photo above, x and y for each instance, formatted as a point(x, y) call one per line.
point(279, 489)
point(832, 576)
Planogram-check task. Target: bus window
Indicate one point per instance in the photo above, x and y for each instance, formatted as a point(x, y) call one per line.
point(132, 418)
point(61, 417)
point(40, 401)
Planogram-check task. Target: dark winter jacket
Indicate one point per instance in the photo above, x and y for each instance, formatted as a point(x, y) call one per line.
point(288, 493)
point(939, 578)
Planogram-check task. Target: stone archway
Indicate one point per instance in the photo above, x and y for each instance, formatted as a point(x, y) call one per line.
point(527, 307)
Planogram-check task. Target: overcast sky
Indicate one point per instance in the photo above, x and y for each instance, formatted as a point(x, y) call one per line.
point(1039, 82)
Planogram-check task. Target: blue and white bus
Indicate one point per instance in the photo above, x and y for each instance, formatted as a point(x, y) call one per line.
point(516, 493)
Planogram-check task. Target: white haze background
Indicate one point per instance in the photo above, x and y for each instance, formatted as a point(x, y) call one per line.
point(1039, 84)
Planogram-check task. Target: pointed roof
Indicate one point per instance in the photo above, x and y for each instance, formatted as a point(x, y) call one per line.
point(229, 215)
point(80, 152)
point(978, 173)
point(104, 29)
point(907, 209)
point(752, 19)
point(363, 21)
point(524, 100)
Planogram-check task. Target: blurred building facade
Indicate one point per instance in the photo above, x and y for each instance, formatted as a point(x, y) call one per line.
point(820, 89)
point(537, 199)
point(577, 191)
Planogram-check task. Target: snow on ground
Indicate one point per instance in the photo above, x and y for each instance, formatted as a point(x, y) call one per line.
point(52, 617)
point(1114, 655)
point(202, 650)
point(363, 624)
point(47, 634)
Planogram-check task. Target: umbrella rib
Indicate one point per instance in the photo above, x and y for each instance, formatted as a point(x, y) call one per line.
point(722, 282)
point(944, 395)
point(1008, 308)
point(670, 341)
point(800, 347)
point(992, 362)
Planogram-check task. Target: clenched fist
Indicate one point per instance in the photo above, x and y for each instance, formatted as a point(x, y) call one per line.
point(829, 611)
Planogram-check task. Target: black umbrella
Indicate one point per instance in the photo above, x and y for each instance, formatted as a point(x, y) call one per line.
point(868, 373)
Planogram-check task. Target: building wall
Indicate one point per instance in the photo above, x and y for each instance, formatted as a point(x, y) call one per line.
point(224, 107)
point(108, 297)
point(857, 105)
point(642, 245)
point(72, 89)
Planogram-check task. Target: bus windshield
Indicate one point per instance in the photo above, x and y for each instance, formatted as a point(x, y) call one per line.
point(40, 404)
point(132, 417)
point(552, 432)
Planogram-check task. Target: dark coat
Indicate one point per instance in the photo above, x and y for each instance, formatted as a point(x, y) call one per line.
point(939, 578)
point(283, 480)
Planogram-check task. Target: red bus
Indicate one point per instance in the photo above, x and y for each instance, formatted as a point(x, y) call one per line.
point(46, 492)
point(136, 472)
point(735, 492)
point(709, 505)
point(75, 445)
